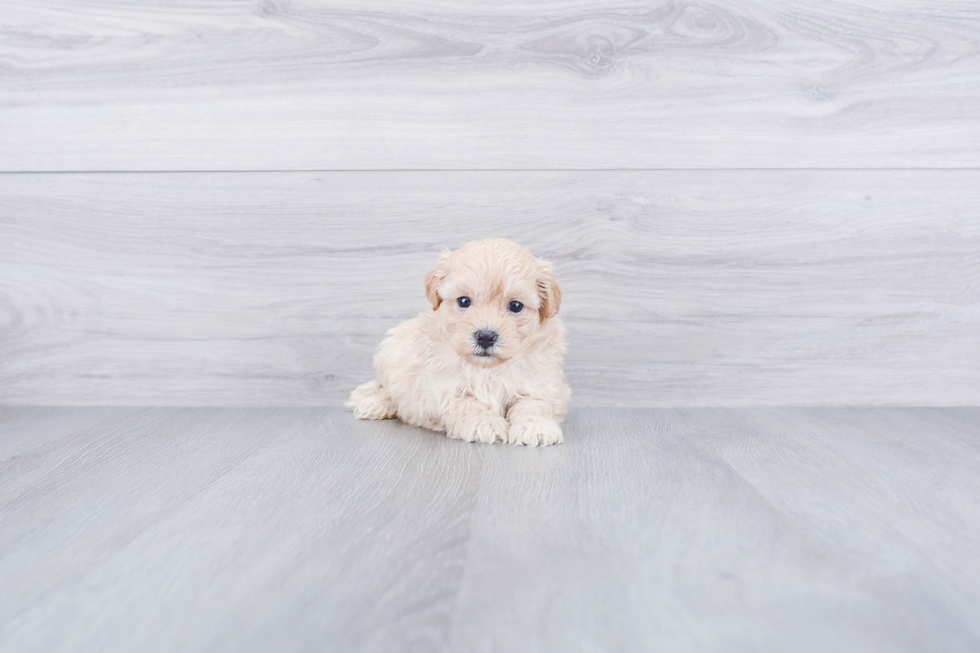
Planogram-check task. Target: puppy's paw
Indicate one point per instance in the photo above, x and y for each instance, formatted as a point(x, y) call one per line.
point(535, 432)
point(368, 401)
point(485, 428)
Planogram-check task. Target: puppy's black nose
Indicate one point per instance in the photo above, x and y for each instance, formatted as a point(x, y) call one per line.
point(485, 338)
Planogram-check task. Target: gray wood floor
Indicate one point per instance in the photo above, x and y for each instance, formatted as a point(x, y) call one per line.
point(761, 529)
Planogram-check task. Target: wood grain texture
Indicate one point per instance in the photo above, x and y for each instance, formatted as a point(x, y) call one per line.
point(764, 529)
point(680, 288)
point(558, 84)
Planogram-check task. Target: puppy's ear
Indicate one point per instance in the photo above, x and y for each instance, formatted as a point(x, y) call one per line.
point(433, 279)
point(549, 291)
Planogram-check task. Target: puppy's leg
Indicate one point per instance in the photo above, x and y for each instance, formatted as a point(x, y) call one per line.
point(369, 401)
point(471, 421)
point(533, 423)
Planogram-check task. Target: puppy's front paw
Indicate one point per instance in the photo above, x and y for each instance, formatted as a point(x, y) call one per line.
point(535, 432)
point(368, 401)
point(485, 428)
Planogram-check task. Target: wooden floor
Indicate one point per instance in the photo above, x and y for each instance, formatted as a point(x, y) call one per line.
point(288, 529)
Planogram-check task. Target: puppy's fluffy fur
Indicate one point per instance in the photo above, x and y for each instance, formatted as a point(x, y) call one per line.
point(434, 372)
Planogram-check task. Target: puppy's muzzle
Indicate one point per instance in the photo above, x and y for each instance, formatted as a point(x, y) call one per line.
point(485, 339)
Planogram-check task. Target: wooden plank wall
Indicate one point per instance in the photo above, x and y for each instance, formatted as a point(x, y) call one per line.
point(227, 203)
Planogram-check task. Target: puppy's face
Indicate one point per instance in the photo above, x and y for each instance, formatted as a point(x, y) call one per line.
point(492, 297)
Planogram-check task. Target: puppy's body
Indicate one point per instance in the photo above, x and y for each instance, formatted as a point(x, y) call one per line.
point(482, 372)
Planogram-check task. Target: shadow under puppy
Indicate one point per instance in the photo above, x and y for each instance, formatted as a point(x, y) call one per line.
point(485, 364)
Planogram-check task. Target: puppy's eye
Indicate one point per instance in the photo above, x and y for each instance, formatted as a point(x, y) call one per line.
point(516, 307)
point(464, 302)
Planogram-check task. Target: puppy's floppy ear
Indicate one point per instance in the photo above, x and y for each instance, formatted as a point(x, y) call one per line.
point(434, 278)
point(549, 291)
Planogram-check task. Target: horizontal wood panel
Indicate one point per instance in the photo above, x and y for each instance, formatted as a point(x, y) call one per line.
point(565, 84)
point(681, 288)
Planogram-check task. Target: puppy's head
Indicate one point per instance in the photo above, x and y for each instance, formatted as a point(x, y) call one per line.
point(492, 298)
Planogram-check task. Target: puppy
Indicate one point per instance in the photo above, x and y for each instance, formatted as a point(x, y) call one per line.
point(485, 364)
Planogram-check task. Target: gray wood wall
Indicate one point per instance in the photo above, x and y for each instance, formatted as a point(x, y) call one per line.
point(748, 202)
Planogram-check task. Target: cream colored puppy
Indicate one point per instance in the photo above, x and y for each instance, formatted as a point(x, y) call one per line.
point(484, 365)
